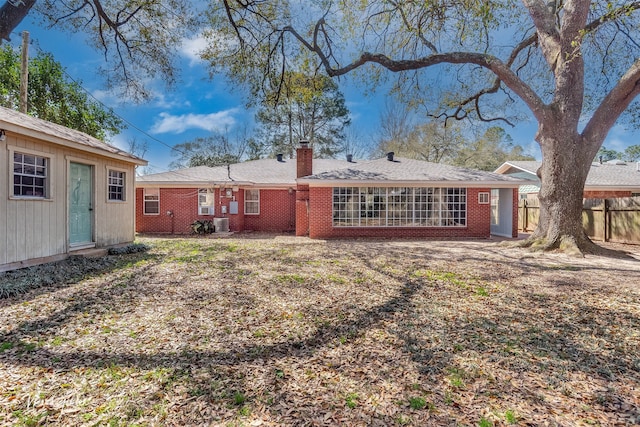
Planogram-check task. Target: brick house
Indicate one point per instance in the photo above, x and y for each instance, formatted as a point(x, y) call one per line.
point(606, 180)
point(388, 197)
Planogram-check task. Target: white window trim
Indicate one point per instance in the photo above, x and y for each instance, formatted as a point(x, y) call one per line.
point(385, 206)
point(124, 185)
point(49, 179)
point(251, 201)
point(211, 205)
point(484, 198)
point(144, 201)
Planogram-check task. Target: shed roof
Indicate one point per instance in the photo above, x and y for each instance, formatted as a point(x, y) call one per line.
point(24, 124)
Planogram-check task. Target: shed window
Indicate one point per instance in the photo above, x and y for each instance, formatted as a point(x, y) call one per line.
point(30, 176)
point(152, 201)
point(251, 202)
point(116, 188)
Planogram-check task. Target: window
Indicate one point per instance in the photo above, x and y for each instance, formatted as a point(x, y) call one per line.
point(399, 207)
point(205, 201)
point(251, 202)
point(116, 187)
point(483, 198)
point(30, 175)
point(152, 201)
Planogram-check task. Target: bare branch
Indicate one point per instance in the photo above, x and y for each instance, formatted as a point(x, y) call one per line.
point(614, 104)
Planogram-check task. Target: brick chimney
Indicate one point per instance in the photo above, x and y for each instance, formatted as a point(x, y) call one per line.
point(304, 160)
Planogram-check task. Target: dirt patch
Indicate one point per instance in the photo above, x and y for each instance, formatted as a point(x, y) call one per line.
point(271, 330)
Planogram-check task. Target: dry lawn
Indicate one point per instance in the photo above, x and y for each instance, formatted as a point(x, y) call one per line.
point(264, 330)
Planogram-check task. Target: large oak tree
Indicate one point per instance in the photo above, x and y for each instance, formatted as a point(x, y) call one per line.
point(572, 65)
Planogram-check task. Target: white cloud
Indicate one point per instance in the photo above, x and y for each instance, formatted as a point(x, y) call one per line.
point(192, 48)
point(119, 141)
point(214, 122)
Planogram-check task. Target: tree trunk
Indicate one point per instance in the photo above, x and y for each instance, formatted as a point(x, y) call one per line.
point(565, 165)
point(11, 14)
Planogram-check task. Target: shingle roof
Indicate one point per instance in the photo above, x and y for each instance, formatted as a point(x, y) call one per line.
point(20, 123)
point(410, 171)
point(256, 172)
point(613, 174)
point(274, 172)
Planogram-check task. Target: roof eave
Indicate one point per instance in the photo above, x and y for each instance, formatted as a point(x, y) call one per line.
point(43, 136)
point(413, 183)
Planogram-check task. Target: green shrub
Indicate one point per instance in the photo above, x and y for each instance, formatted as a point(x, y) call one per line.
point(202, 227)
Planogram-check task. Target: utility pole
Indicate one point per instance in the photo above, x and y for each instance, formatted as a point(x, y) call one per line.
point(24, 75)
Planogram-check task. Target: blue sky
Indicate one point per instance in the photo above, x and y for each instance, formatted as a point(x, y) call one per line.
point(197, 106)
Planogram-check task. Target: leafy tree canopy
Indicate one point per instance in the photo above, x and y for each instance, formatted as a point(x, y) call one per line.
point(630, 154)
point(214, 150)
point(52, 96)
point(307, 107)
point(432, 141)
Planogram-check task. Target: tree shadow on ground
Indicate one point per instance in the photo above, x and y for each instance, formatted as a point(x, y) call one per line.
point(495, 330)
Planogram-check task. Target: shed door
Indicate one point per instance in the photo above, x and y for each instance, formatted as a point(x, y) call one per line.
point(80, 204)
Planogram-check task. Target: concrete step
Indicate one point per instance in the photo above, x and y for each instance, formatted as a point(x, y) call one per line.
point(90, 252)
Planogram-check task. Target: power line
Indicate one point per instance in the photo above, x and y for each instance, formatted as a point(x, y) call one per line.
point(128, 122)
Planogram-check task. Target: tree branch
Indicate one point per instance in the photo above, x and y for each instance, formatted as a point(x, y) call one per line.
point(614, 104)
point(12, 13)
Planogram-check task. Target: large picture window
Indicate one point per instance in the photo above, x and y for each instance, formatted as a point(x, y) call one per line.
point(30, 175)
point(152, 201)
point(116, 186)
point(399, 207)
point(251, 202)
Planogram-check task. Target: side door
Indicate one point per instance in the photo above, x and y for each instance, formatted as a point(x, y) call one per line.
point(80, 204)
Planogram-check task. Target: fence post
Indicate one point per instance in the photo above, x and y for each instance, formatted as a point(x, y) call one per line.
point(605, 215)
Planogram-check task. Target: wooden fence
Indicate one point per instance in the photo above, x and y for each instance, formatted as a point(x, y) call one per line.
point(609, 220)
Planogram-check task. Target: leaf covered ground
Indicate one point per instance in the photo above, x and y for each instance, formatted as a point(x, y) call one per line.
point(279, 331)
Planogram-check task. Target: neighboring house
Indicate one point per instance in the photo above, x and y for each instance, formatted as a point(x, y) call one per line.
point(389, 197)
point(606, 180)
point(60, 191)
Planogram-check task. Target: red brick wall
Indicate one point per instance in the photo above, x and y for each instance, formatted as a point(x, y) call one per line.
point(321, 221)
point(183, 202)
point(304, 162)
point(606, 194)
point(277, 211)
point(302, 210)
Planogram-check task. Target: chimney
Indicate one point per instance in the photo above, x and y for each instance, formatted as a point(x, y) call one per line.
point(279, 157)
point(304, 160)
point(390, 156)
point(349, 158)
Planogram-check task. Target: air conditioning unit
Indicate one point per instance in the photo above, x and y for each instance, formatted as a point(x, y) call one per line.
point(205, 210)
